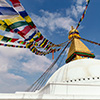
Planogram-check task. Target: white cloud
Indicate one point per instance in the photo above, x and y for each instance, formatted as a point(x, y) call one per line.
point(52, 21)
point(76, 9)
point(9, 82)
point(37, 64)
point(9, 57)
point(12, 83)
point(12, 62)
point(80, 2)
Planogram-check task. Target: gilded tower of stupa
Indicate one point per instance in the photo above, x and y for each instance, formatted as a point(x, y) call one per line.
point(77, 50)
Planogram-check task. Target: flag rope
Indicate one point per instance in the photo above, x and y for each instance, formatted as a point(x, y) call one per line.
point(43, 78)
point(89, 41)
point(84, 12)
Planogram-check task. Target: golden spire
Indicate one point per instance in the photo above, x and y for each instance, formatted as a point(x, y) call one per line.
point(77, 50)
point(73, 33)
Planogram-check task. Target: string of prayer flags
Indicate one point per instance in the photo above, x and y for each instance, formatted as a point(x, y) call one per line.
point(16, 20)
point(6, 39)
point(83, 15)
point(38, 52)
point(10, 45)
point(89, 41)
point(34, 34)
point(13, 40)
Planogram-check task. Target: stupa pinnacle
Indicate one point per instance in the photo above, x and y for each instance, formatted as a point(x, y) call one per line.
point(77, 50)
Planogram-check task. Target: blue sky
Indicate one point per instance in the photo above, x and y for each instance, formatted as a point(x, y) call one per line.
point(19, 68)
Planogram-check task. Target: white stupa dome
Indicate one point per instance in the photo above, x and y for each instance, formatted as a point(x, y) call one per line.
point(78, 71)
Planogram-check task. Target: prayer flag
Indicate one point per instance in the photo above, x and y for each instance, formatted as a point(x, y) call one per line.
point(6, 11)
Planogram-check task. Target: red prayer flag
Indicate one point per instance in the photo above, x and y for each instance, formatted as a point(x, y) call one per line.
point(15, 1)
point(53, 54)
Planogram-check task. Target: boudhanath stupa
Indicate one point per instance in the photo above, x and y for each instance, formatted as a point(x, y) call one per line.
point(78, 79)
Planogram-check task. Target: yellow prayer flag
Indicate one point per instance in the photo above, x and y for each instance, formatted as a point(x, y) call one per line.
point(13, 20)
point(3, 27)
point(1, 37)
point(28, 19)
